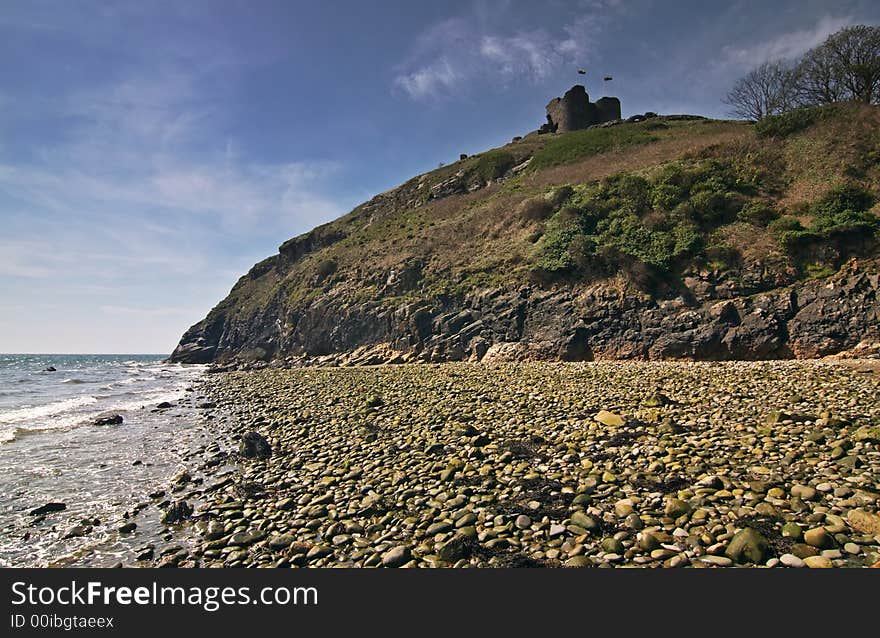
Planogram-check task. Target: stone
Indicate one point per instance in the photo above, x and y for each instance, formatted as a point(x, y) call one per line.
point(802, 550)
point(818, 562)
point(584, 520)
point(675, 507)
point(177, 512)
point(254, 446)
point(804, 492)
point(48, 508)
point(747, 546)
point(523, 521)
point(128, 528)
point(578, 561)
point(718, 561)
point(396, 556)
point(111, 419)
point(648, 542)
point(867, 433)
point(215, 530)
point(612, 546)
point(609, 418)
point(181, 478)
point(454, 549)
point(792, 530)
point(864, 522)
point(817, 537)
point(790, 560)
point(556, 530)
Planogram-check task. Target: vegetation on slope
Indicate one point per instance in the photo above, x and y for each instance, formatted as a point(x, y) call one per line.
point(649, 202)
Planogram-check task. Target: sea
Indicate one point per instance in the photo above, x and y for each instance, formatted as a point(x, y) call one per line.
point(51, 451)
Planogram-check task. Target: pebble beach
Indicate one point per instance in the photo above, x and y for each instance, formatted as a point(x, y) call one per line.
point(617, 464)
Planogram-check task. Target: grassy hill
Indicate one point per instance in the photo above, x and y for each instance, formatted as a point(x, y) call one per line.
point(653, 210)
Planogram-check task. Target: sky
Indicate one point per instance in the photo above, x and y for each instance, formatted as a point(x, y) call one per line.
point(152, 152)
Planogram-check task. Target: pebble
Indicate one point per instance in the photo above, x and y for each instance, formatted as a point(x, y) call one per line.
point(477, 466)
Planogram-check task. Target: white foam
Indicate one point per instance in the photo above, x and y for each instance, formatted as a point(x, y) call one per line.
point(42, 411)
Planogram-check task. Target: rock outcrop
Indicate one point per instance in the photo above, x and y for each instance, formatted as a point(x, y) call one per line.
point(806, 320)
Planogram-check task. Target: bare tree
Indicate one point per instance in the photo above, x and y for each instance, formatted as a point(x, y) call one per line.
point(817, 79)
point(855, 55)
point(765, 90)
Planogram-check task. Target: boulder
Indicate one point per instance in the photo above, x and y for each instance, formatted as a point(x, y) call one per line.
point(747, 546)
point(255, 446)
point(110, 419)
point(48, 508)
point(176, 512)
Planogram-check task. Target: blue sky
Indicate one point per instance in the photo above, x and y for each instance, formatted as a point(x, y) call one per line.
point(151, 152)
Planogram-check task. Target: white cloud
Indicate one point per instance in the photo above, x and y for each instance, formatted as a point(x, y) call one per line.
point(456, 53)
point(429, 79)
point(785, 46)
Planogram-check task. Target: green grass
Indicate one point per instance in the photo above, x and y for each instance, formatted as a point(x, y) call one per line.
point(577, 145)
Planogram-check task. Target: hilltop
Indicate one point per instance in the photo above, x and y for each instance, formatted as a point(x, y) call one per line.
point(655, 238)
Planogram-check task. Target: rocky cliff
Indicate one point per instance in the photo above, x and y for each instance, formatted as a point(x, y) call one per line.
point(664, 238)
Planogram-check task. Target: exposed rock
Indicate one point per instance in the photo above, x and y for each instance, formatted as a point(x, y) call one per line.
point(176, 512)
point(111, 419)
point(747, 546)
point(609, 418)
point(865, 522)
point(396, 557)
point(254, 446)
point(48, 508)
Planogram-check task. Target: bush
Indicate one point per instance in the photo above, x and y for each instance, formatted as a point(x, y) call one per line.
point(558, 196)
point(792, 122)
point(492, 165)
point(785, 224)
point(534, 209)
point(845, 198)
point(657, 222)
point(757, 213)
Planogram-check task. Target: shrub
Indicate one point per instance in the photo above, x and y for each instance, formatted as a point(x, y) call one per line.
point(848, 197)
point(792, 122)
point(534, 209)
point(757, 213)
point(492, 165)
point(558, 196)
point(656, 223)
point(785, 224)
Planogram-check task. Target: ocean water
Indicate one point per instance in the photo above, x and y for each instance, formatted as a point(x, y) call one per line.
point(51, 451)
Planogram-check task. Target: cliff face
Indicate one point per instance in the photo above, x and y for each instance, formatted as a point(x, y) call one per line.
point(668, 238)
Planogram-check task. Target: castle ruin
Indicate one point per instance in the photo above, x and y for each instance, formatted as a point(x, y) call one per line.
point(574, 111)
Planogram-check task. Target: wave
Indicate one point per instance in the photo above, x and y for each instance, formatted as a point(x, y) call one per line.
point(74, 381)
point(49, 409)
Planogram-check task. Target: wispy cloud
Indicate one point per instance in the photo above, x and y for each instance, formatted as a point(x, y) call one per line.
point(459, 52)
point(785, 46)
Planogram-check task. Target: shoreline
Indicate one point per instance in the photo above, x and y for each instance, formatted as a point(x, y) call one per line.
point(471, 465)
